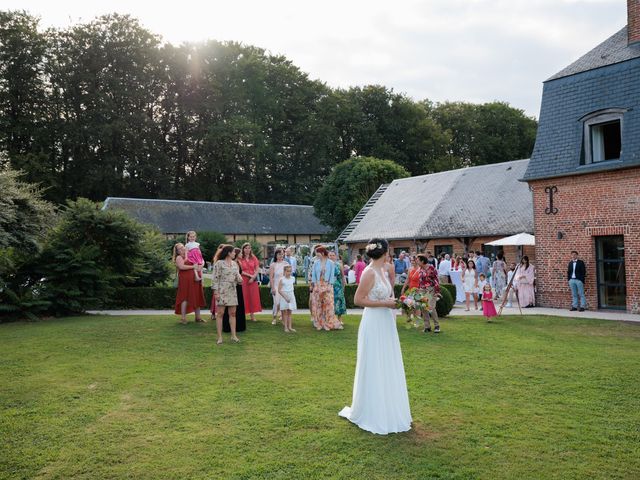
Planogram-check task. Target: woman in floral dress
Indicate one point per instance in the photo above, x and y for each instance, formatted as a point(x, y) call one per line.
point(339, 302)
point(226, 276)
point(322, 276)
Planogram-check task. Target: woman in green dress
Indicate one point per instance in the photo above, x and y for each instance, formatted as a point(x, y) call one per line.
point(339, 303)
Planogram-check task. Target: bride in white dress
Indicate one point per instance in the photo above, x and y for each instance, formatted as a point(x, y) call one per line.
point(380, 401)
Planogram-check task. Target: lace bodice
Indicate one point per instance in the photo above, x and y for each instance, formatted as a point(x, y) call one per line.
point(381, 289)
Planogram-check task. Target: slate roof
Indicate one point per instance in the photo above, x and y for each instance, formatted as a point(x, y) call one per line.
point(478, 201)
point(607, 77)
point(613, 50)
point(180, 216)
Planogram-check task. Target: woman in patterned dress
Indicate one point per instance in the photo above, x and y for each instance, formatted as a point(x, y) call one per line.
point(499, 275)
point(322, 277)
point(226, 276)
point(250, 268)
point(339, 302)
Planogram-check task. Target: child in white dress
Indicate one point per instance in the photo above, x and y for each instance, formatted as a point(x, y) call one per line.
point(194, 255)
point(482, 281)
point(287, 298)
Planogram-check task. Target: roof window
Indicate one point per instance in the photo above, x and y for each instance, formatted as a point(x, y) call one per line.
point(602, 136)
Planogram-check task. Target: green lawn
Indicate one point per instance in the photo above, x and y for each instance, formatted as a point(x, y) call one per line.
point(146, 398)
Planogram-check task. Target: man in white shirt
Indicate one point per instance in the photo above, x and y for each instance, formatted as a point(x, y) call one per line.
point(444, 268)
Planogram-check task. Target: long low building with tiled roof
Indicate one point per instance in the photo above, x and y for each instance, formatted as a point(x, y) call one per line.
point(264, 223)
point(453, 211)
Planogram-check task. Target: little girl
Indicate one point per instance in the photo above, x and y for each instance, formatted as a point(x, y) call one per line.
point(287, 298)
point(194, 255)
point(488, 308)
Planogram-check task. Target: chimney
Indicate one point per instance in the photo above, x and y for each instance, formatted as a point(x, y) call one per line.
point(633, 21)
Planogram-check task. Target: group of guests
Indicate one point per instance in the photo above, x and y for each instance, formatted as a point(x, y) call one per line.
point(476, 272)
point(236, 293)
point(234, 284)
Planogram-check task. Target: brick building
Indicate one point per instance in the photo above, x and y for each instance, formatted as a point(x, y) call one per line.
point(585, 174)
point(452, 212)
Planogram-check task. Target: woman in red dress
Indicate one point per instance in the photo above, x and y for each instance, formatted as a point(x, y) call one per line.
point(190, 296)
point(250, 290)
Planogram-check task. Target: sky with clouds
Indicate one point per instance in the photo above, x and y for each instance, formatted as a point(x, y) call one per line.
point(470, 50)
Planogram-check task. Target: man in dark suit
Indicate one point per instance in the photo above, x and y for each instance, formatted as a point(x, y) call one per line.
point(576, 272)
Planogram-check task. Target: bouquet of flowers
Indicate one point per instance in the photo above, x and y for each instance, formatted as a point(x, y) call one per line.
point(413, 303)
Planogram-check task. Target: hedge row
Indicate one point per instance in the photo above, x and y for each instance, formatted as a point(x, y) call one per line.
point(165, 297)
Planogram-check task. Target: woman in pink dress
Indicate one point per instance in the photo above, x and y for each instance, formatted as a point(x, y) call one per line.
point(525, 279)
point(250, 289)
point(359, 268)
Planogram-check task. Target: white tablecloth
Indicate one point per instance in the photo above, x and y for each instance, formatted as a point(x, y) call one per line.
point(457, 281)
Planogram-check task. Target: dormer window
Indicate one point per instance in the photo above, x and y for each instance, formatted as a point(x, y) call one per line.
point(603, 136)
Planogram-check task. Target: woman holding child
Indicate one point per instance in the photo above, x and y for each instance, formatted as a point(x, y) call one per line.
point(190, 296)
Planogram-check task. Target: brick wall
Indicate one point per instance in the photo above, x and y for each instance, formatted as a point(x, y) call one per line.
point(588, 206)
point(633, 20)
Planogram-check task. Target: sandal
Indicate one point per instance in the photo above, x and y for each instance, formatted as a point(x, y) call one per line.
point(182, 322)
point(235, 340)
point(200, 320)
point(219, 342)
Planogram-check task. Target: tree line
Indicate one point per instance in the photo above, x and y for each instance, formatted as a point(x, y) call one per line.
point(106, 108)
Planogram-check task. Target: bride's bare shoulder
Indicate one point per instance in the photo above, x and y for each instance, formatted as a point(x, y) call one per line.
point(367, 274)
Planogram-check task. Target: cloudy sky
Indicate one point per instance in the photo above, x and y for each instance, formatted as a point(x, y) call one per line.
point(471, 50)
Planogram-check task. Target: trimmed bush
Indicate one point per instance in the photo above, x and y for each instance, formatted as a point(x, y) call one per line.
point(445, 304)
point(165, 297)
point(452, 289)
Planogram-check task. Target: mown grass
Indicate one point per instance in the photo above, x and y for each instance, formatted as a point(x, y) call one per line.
point(145, 398)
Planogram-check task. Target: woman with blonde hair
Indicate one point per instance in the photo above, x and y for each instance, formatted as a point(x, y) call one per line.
point(189, 296)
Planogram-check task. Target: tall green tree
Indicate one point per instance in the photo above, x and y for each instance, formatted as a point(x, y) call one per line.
point(375, 121)
point(91, 252)
point(348, 187)
point(108, 79)
point(483, 133)
point(23, 110)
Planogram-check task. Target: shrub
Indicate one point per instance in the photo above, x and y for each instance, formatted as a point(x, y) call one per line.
point(24, 220)
point(209, 242)
point(445, 304)
point(451, 288)
point(93, 252)
point(164, 297)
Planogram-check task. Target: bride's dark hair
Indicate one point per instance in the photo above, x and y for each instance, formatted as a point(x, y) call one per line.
point(376, 248)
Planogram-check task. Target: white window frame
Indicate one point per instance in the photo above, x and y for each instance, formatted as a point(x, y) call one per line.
point(594, 119)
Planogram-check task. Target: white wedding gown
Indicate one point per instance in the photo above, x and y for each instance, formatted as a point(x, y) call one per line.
point(380, 401)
